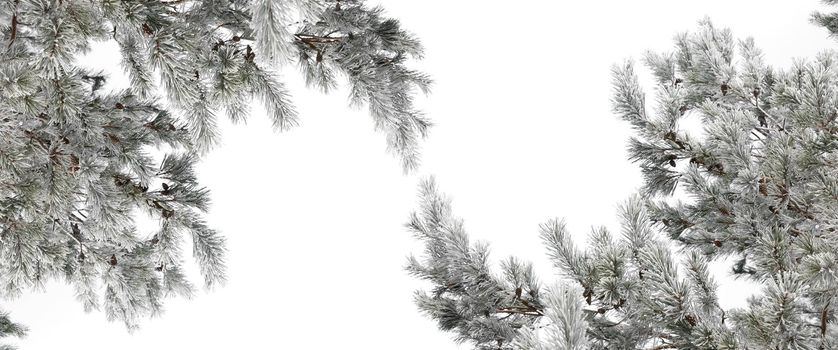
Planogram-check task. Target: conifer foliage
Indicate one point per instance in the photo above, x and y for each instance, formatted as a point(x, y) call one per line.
point(79, 164)
point(759, 184)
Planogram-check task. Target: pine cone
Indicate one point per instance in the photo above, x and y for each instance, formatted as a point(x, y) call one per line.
point(113, 260)
point(724, 89)
point(619, 304)
point(717, 243)
point(691, 319)
point(762, 121)
point(74, 164)
point(249, 55)
point(763, 186)
point(588, 294)
point(120, 180)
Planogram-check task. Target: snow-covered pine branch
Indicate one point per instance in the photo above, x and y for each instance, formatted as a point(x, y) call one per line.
point(79, 165)
point(759, 184)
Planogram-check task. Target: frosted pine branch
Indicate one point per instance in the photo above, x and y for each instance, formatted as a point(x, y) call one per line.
point(81, 164)
point(760, 185)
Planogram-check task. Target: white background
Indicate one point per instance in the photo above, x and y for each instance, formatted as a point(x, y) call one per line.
point(524, 132)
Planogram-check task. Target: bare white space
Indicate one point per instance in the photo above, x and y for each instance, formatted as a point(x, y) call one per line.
point(524, 132)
